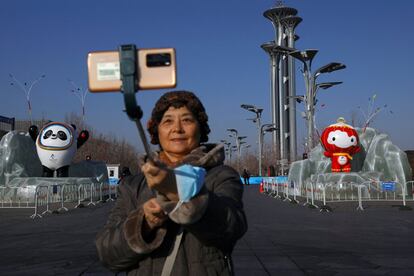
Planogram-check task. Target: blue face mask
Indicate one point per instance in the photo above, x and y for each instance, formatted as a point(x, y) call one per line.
point(189, 180)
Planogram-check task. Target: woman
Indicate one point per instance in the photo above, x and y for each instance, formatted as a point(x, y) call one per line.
point(158, 218)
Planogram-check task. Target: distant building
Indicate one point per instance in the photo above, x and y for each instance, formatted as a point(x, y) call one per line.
point(113, 173)
point(23, 125)
point(9, 124)
point(6, 124)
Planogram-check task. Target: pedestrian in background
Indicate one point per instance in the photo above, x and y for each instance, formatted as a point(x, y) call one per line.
point(124, 173)
point(246, 177)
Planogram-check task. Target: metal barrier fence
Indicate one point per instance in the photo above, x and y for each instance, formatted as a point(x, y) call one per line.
point(281, 189)
point(55, 197)
point(339, 192)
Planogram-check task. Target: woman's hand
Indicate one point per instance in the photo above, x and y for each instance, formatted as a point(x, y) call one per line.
point(160, 178)
point(153, 213)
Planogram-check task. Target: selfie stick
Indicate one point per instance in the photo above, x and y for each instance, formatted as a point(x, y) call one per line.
point(129, 71)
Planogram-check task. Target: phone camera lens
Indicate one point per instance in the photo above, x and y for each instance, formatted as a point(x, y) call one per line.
point(158, 60)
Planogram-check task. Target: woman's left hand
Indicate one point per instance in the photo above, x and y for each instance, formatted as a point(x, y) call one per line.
point(153, 213)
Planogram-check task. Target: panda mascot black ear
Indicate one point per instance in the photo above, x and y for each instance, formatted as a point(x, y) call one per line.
point(33, 132)
point(74, 127)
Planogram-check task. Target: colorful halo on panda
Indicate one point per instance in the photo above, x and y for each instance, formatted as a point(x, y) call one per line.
point(67, 129)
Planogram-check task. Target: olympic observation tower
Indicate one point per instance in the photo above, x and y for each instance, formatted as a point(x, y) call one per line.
point(282, 80)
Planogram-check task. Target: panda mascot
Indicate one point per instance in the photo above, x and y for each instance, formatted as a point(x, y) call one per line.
point(56, 145)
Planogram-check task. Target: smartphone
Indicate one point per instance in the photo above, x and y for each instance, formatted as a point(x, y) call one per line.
point(156, 69)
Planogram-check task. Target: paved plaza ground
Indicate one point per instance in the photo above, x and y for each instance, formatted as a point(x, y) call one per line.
point(283, 239)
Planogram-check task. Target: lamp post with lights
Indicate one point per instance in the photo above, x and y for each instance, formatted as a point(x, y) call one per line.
point(258, 112)
point(227, 149)
point(27, 89)
point(306, 57)
point(264, 128)
point(238, 139)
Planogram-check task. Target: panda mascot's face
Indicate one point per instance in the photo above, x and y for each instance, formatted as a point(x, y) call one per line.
point(56, 136)
point(56, 145)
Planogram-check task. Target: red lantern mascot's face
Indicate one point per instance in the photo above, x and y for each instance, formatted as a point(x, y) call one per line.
point(340, 142)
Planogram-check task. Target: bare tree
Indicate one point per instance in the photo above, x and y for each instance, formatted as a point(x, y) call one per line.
point(106, 148)
point(249, 161)
point(372, 111)
point(356, 118)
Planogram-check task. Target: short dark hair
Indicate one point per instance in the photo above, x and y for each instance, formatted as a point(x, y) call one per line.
point(178, 99)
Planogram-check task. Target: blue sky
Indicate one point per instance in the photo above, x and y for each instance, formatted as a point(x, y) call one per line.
point(218, 56)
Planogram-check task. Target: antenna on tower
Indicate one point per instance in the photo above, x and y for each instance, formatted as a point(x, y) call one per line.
point(279, 3)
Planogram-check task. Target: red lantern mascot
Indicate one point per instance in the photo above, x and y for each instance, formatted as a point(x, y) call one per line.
point(340, 142)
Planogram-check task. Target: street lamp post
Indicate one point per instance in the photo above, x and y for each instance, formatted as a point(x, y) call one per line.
point(232, 149)
point(328, 68)
point(326, 85)
point(225, 142)
point(235, 134)
point(264, 128)
point(239, 143)
point(306, 58)
point(80, 93)
point(257, 120)
point(302, 98)
point(244, 145)
point(323, 85)
point(27, 89)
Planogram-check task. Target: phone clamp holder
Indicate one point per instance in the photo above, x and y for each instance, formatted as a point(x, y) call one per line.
point(128, 70)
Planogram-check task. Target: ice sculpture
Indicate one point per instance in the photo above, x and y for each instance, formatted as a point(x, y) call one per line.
point(378, 160)
point(20, 167)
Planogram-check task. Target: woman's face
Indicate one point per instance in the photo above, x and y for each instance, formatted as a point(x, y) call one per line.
point(178, 133)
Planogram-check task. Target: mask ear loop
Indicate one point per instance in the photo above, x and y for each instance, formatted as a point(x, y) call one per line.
point(180, 202)
point(176, 207)
point(190, 175)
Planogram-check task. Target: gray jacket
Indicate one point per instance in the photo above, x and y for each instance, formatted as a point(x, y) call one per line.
point(212, 222)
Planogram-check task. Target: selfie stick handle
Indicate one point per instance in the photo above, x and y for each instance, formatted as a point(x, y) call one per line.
point(128, 70)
